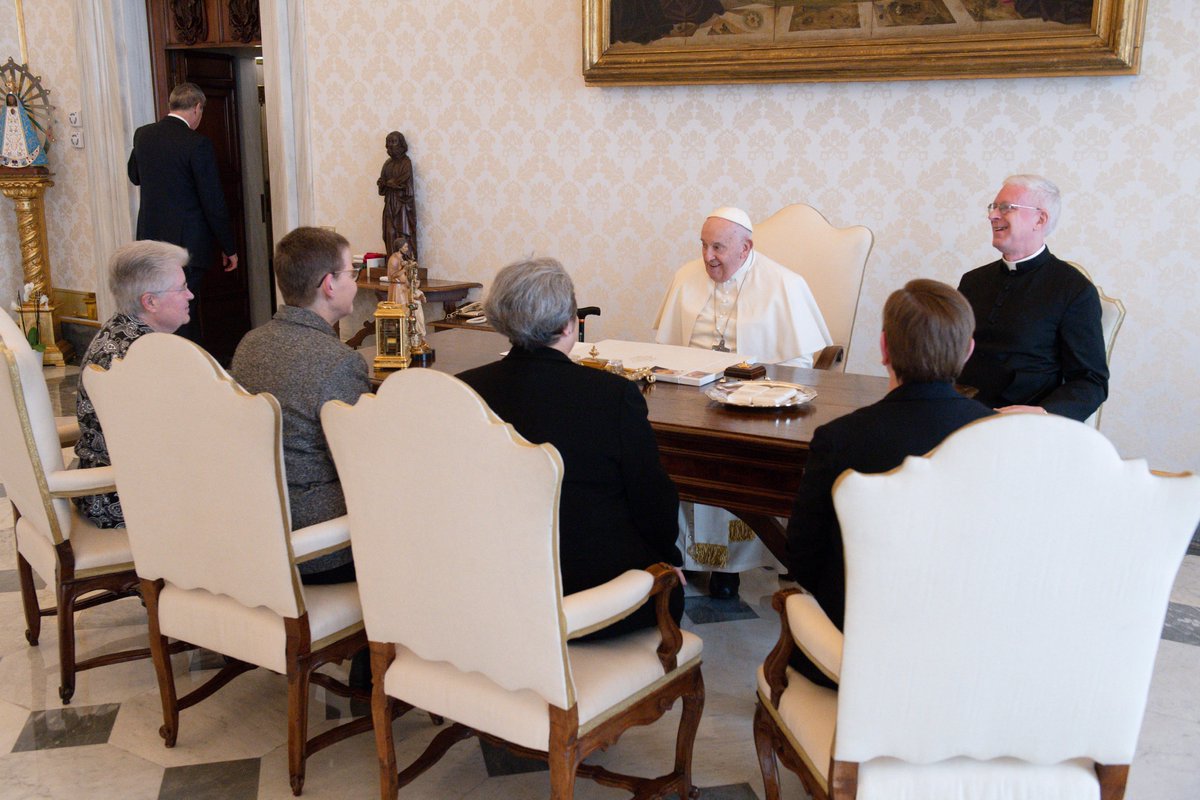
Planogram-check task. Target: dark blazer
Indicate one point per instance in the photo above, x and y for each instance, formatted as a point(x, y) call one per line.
point(910, 420)
point(618, 509)
point(182, 199)
point(1038, 339)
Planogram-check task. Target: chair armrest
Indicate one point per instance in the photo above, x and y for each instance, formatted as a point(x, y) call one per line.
point(601, 606)
point(68, 430)
point(321, 539)
point(826, 357)
point(815, 634)
point(81, 482)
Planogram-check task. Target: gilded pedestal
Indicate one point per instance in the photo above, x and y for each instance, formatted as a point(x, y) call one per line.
point(27, 186)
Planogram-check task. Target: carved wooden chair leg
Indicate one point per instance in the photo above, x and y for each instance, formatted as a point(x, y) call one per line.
point(685, 740)
point(382, 656)
point(65, 601)
point(764, 743)
point(564, 756)
point(29, 601)
point(1112, 780)
point(300, 665)
point(160, 652)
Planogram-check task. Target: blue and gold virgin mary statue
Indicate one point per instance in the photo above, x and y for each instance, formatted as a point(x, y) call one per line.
point(22, 146)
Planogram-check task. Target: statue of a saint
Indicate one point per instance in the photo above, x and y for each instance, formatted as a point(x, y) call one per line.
point(21, 146)
point(400, 265)
point(399, 205)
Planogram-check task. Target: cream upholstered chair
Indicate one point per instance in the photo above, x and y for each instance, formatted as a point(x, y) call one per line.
point(831, 260)
point(1112, 314)
point(69, 553)
point(200, 466)
point(502, 670)
point(1005, 597)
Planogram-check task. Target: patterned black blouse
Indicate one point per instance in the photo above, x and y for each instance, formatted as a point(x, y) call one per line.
point(121, 331)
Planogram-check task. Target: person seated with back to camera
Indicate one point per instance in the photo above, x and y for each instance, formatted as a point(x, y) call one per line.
point(926, 339)
point(618, 509)
point(150, 290)
point(735, 299)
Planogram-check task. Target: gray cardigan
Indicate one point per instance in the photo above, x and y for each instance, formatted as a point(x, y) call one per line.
point(298, 358)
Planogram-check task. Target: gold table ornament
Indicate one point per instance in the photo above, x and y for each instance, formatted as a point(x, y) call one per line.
point(27, 186)
point(391, 337)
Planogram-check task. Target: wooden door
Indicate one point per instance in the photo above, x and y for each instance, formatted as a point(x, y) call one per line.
point(224, 299)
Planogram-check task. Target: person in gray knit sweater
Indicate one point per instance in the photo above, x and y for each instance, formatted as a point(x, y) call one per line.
point(298, 357)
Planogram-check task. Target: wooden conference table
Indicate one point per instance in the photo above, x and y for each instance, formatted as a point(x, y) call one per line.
point(747, 461)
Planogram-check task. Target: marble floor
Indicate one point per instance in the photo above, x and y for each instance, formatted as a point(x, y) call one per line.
point(233, 745)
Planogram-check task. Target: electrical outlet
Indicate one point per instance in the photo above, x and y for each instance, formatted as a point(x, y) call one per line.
point(77, 139)
point(73, 117)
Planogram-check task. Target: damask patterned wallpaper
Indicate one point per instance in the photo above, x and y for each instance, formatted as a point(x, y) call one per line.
point(514, 155)
point(50, 31)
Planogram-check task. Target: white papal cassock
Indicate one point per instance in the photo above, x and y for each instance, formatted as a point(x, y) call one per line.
point(764, 311)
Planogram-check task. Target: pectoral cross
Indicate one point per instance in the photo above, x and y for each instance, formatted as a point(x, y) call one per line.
point(720, 346)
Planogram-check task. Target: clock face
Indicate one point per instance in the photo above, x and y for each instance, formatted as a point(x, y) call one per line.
point(27, 87)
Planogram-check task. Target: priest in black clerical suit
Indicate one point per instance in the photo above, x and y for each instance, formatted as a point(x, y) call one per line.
point(1038, 339)
point(926, 338)
point(182, 199)
point(618, 509)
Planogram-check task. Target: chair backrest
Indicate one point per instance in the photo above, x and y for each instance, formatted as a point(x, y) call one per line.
point(1112, 314)
point(448, 507)
point(831, 260)
point(1005, 595)
point(199, 467)
point(30, 438)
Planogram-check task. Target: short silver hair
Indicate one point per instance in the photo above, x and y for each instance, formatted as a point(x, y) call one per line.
point(141, 267)
point(531, 302)
point(1048, 198)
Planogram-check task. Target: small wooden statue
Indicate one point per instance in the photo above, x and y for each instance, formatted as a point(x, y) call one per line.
point(399, 203)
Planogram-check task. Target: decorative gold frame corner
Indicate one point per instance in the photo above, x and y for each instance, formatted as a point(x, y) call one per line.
point(1111, 45)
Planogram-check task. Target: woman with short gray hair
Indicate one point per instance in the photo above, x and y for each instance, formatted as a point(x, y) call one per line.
point(618, 510)
point(147, 282)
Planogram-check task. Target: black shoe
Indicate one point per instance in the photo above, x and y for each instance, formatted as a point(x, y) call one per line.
point(723, 585)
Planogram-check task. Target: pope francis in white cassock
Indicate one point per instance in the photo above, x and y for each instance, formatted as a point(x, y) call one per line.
point(734, 299)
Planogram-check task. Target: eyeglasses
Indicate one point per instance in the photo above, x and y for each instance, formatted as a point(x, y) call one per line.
point(1004, 208)
point(355, 271)
point(183, 288)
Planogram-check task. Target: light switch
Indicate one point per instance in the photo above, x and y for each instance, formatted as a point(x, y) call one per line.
point(77, 139)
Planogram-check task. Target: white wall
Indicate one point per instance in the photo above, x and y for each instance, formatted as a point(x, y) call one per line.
point(513, 155)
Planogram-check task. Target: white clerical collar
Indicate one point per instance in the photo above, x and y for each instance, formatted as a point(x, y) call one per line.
point(1012, 265)
point(181, 119)
point(740, 275)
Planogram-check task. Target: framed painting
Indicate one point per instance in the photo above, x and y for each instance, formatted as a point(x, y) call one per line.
point(745, 41)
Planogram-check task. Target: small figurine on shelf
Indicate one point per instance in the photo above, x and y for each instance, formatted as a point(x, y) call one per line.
point(21, 145)
point(419, 351)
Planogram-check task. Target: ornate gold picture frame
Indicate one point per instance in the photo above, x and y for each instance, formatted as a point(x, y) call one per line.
point(759, 41)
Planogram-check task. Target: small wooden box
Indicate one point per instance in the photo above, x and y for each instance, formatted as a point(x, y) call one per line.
point(746, 372)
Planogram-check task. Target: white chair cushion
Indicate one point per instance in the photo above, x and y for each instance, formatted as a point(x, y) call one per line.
point(606, 674)
point(255, 635)
point(807, 714)
point(38, 550)
point(815, 634)
point(968, 779)
point(96, 550)
point(607, 602)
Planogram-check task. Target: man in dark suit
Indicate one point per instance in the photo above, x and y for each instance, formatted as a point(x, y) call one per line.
point(1038, 341)
point(926, 338)
point(618, 509)
point(182, 200)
